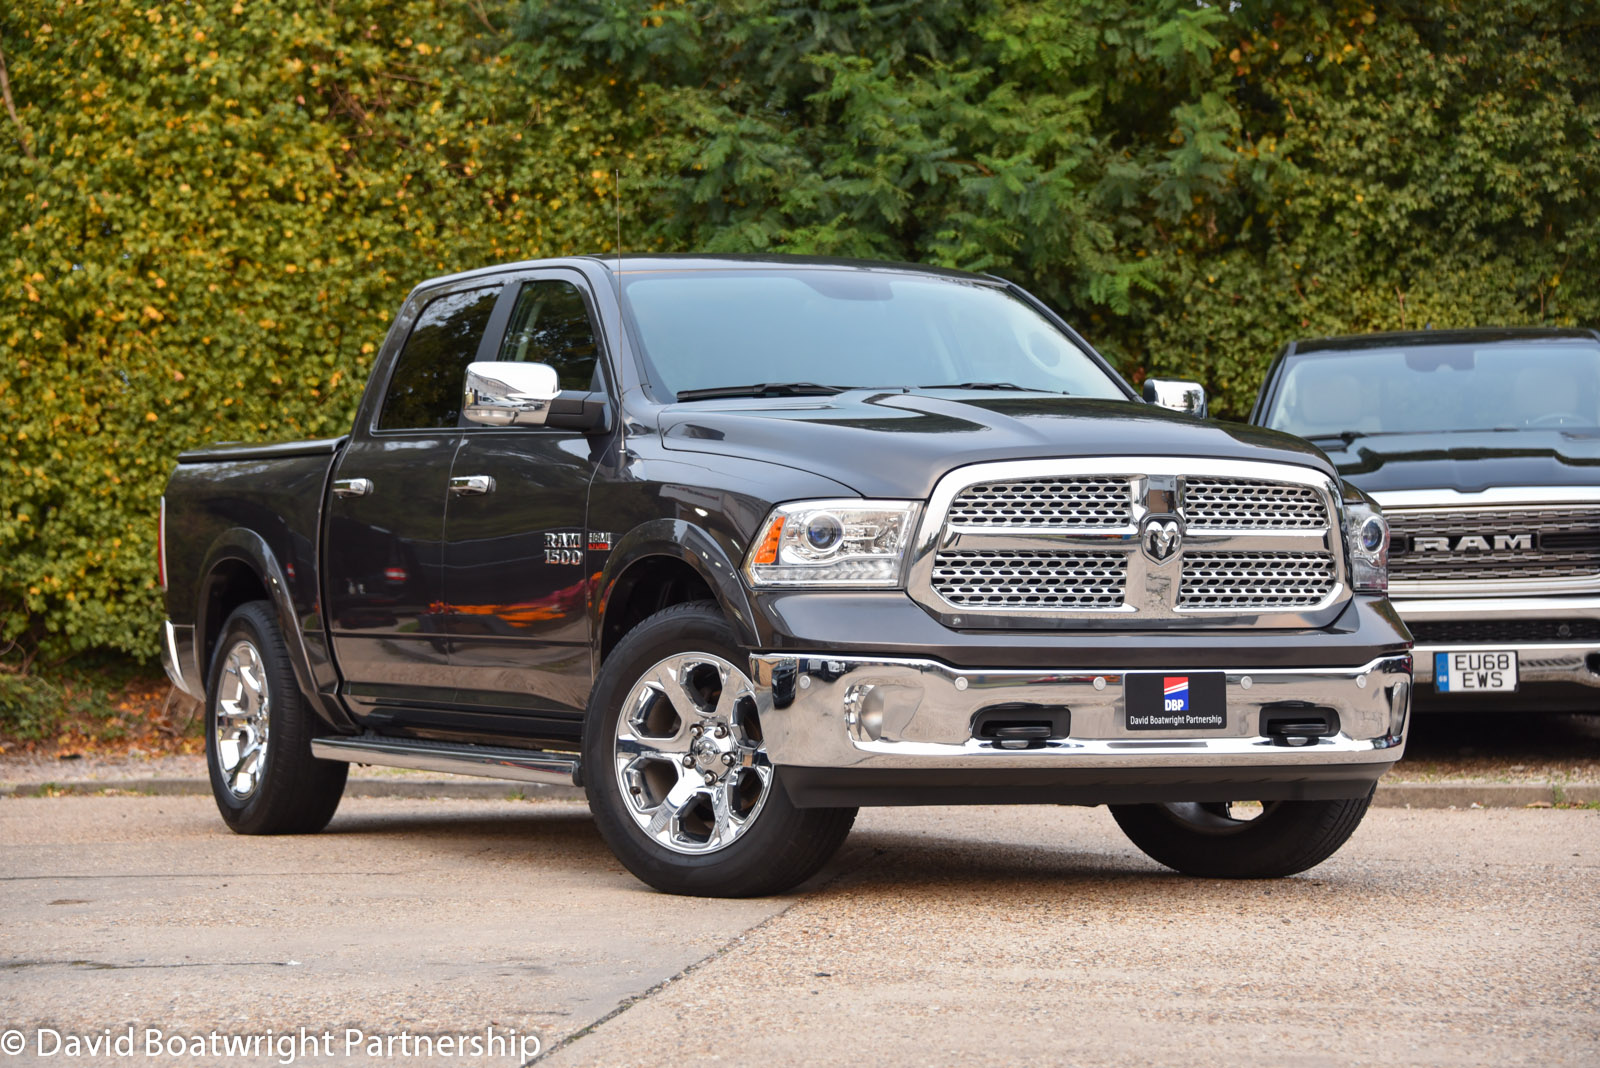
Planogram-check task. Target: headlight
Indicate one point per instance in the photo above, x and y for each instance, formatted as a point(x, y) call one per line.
point(833, 543)
point(1366, 532)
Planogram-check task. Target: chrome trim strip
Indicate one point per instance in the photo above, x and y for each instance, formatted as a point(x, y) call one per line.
point(1505, 588)
point(1151, 588)
point(1498, 608)
point(522, 765)
point(1536, 661)
point(828, 711)
point(178, 659)
point(1519, 495)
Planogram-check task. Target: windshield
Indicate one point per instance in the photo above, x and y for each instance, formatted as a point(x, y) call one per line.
point(1495, 386)
point(849, 327)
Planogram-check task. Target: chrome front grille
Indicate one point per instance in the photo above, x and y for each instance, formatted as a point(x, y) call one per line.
point(1045, 502)
point(1255, 580)
point(1239, 504)
point(1135, 541)
point(1029, 579)
point(1481, 548)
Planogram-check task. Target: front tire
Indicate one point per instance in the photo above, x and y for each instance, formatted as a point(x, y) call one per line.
point(677, 771)
point(1213, 842)
point(259, 731)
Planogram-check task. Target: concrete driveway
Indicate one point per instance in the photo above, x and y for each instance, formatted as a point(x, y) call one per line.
point(991, 936)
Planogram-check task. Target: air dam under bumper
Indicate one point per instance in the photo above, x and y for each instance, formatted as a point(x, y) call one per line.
point(858, 731)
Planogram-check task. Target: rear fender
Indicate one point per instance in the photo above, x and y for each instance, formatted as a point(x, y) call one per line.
point(250, 549)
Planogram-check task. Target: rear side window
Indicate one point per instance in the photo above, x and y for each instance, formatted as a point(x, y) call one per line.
point(551, 325)
point(425, 390)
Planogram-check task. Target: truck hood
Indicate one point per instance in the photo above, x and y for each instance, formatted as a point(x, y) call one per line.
point(1469, 461)
point(884, 444)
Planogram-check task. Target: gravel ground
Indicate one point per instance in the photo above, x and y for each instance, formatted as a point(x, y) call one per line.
point(968, 937)
point(1023, 935)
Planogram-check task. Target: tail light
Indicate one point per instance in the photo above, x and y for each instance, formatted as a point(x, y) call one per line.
point(161, 544)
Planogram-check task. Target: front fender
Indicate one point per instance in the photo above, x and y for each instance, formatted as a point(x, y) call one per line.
point(693, 545)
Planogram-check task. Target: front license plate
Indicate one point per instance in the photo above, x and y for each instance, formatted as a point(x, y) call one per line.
point(1157, 701)
point(1492, 671)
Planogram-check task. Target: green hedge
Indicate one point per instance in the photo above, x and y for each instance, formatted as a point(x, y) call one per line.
point(210, 210)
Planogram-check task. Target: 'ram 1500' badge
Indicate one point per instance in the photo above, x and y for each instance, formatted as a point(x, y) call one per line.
point(567, 547)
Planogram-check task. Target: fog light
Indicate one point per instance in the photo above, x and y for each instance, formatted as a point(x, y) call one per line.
point(1399, 705)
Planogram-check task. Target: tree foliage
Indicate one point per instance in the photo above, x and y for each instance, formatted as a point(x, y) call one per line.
point(209, 210)
point(1195, 184)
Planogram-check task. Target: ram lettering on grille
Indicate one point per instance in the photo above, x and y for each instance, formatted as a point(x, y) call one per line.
point(1465, 546)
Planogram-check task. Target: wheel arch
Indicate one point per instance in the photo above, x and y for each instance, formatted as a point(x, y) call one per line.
point(241, 567)
point(660, 564)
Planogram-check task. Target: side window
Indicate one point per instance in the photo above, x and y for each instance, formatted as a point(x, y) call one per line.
point(425, 390)
point(549, 324)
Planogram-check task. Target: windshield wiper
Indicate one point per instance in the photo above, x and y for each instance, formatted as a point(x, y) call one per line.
point(982, 385)
point(763, 389)
point(1346, 436)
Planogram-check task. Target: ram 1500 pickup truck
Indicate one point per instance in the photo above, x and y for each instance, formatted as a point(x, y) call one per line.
point(1483, 447)
point(742, 544)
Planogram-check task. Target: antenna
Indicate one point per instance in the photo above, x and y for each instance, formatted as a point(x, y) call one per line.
point(616, 196)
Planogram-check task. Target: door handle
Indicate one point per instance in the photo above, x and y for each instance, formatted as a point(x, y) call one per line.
point(471, 485)
point(352, 487)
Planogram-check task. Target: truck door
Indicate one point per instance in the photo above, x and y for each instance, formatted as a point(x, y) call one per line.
point(515, 535)
point(385, 519)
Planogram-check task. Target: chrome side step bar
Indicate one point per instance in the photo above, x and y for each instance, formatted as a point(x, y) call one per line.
point(492, 762)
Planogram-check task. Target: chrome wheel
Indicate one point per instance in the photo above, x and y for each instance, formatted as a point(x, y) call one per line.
point(241, 719)
point(688, 753)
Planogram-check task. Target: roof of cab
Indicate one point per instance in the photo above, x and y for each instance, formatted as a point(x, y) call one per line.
point(630, 263)
point(1413, 338)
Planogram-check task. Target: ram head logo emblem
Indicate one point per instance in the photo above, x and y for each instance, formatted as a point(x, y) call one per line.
point(1160, 538)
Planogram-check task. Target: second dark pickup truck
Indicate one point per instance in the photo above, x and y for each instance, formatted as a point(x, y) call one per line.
point(739, 545)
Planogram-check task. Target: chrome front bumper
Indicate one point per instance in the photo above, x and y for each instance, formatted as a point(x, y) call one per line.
point(1537, 662)
point(857, 713)
point(180, 658)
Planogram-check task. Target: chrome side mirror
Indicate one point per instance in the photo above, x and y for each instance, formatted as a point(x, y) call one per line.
point(509, 394)
point(1176, 394)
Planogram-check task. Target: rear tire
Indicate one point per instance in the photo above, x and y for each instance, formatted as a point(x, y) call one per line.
point(677, 771)
point(259, 731)
point(1205, 840)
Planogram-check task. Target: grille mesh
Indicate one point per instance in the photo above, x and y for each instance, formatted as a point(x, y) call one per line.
point(1569, 540)
point(1261, 580)
point(1026, 579)
point(1510, 631)
point(1045, 502)
point(1240, 504)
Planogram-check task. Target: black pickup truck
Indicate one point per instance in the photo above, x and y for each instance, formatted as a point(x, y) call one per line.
point(741, 544)
point(1483, 447)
